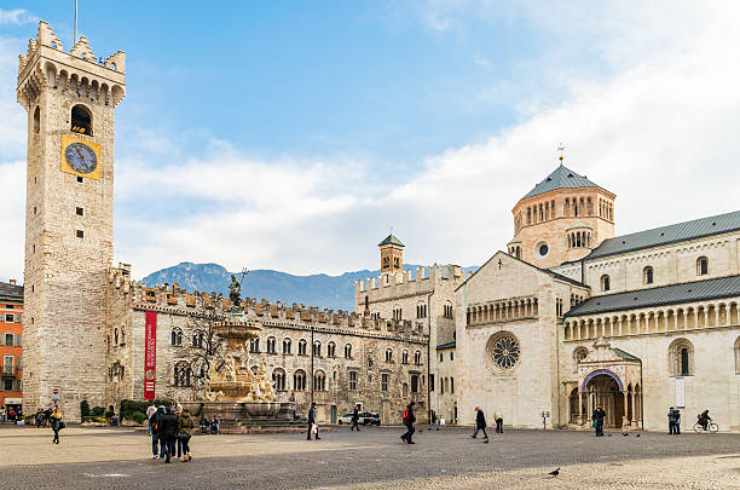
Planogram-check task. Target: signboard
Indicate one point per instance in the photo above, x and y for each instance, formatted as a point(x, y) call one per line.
point(150, 354)
point(680, 393)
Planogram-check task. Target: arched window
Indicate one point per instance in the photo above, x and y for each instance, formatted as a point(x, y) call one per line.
point(299, 380)
point(348, 351)
point(405, 357)
point(702, 266)
point(271, 341)
point(286, 346)
point(388, 355)
point(681, 357)
point(115, 336)
point(331, 349)
point(254, 345)
point(278, 379)
point(417, 357)
point(579, 354)
point(319, 381)
point(82, 121)
point(182, 374)
point(647, 275)
point(405, 389)
point(176, 337)
point(316, 348)
point(737, 356)
point(447, 313)
point(198, 339)
point(37, 120)
point(605, 283)
point(302, 347)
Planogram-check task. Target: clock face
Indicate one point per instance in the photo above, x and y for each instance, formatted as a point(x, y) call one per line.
point(81, 158)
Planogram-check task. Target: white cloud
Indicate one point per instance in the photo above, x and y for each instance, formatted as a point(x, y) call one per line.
point(16, 17)
point(655, 122)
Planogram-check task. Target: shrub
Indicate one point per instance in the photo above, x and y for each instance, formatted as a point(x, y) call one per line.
point(97, 412)
point(129, 407)
point(139, 417)
point(84, 408)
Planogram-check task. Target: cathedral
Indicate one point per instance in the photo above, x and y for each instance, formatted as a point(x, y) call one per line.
point(570, 317)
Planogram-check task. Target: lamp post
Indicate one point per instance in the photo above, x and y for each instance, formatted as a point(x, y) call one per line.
point(313, 350)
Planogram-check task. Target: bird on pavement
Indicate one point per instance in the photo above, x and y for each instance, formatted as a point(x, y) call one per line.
point(638, 435)
point(625, 434)
point(555, 472)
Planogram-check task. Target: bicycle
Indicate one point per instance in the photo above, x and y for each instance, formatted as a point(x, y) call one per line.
point(712, 427)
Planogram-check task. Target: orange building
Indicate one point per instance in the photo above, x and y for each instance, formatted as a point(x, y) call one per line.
point(11, 350)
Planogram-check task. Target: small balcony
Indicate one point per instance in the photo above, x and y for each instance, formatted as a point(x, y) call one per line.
point(12, 372)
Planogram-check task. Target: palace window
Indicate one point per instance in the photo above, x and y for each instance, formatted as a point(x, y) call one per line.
point(452, 386)
point(388, 355)
point(254, 345)
point(702, 266)
point(681, 357)
point(348, 351)
point(431, 382)
point(405, 357)
point(319, 381)
point(417, 358)
point(421, 311)
point(384, 383)
point(278, 379)
point(82, 121)
point(286, 346)
point(414, 383)
point(176, 337)
point(647, 275)
point(397, 314)
point(299, 380)
point(353, 381)
point(271, 341)
point(182, 374)
point(605, 283)
point(331, 350)
point(302, 347)
point(37, 120)
point(317, 348)
point(447, 311)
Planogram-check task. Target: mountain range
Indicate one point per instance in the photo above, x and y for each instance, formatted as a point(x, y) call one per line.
point(322, 290)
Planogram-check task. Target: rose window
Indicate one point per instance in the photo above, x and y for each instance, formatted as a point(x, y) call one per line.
point(505, 351)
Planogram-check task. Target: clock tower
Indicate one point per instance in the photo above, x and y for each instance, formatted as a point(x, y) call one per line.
point(70, 97)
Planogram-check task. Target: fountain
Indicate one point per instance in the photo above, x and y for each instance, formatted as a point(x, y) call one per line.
point(232, 392)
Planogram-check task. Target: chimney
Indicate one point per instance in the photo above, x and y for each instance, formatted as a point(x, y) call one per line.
point(12, 281)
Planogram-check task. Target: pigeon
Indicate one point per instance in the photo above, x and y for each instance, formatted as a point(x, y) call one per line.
point(625, 434)
point(638, 435)
point(555, 472)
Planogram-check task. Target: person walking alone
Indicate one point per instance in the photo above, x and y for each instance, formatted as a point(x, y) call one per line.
point(499, 422)
point(409, 419)
point(356, 418)
point(671, 421)
point(480, 424)
point(598, 418)
point(313, 427)
point(57, 423)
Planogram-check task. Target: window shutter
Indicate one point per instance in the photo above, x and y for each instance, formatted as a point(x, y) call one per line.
point(2, 339)
point(18, 340)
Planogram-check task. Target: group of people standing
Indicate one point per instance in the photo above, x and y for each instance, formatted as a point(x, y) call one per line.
point(171, 429)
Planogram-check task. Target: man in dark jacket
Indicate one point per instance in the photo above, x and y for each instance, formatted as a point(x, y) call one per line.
point(409, 419)
point(356, 418)
point(312, 422)
point(480, 424)
point(598, 418)
point(168, 426)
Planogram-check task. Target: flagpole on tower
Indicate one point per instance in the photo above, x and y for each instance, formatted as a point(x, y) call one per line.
point(74, 40)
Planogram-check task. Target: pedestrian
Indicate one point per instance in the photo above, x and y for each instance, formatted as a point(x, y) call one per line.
point(150, 410)
point(677, 417)
point(154, 432)
point(671, 420)
point(11, 414)
point(184, 433)
point(480, 424)
point(313, 427)
point(3, 414)
point(499, 422)
point(356, 418)
point(598, 421)
point(409, 419)
point(168, 427)
point(57, 423)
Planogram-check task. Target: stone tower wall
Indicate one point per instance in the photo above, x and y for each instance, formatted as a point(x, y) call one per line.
point(65, 275)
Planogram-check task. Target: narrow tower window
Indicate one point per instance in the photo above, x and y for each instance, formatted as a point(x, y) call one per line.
point(80, 211)
point(82, 120)
point(37, 120)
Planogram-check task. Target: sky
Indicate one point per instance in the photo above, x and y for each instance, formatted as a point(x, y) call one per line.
point(293, 135)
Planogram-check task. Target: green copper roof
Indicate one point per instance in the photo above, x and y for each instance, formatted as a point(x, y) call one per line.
point(561, 178)
point(391, 240)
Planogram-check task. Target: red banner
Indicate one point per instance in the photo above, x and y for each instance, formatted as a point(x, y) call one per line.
point(150, 353)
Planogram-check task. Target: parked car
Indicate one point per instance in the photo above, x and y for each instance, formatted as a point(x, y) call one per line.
point(370, 418)
point(345, 419)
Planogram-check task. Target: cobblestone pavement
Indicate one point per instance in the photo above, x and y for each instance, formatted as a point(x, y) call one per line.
point(373, 458)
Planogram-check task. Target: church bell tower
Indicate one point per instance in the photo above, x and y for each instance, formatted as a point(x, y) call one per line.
point(71, 98)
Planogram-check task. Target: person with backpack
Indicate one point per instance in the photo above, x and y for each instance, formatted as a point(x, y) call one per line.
point(356, 418)
point(184, 433)
point(409, 419)
point(57, 424)
point(480, 424)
